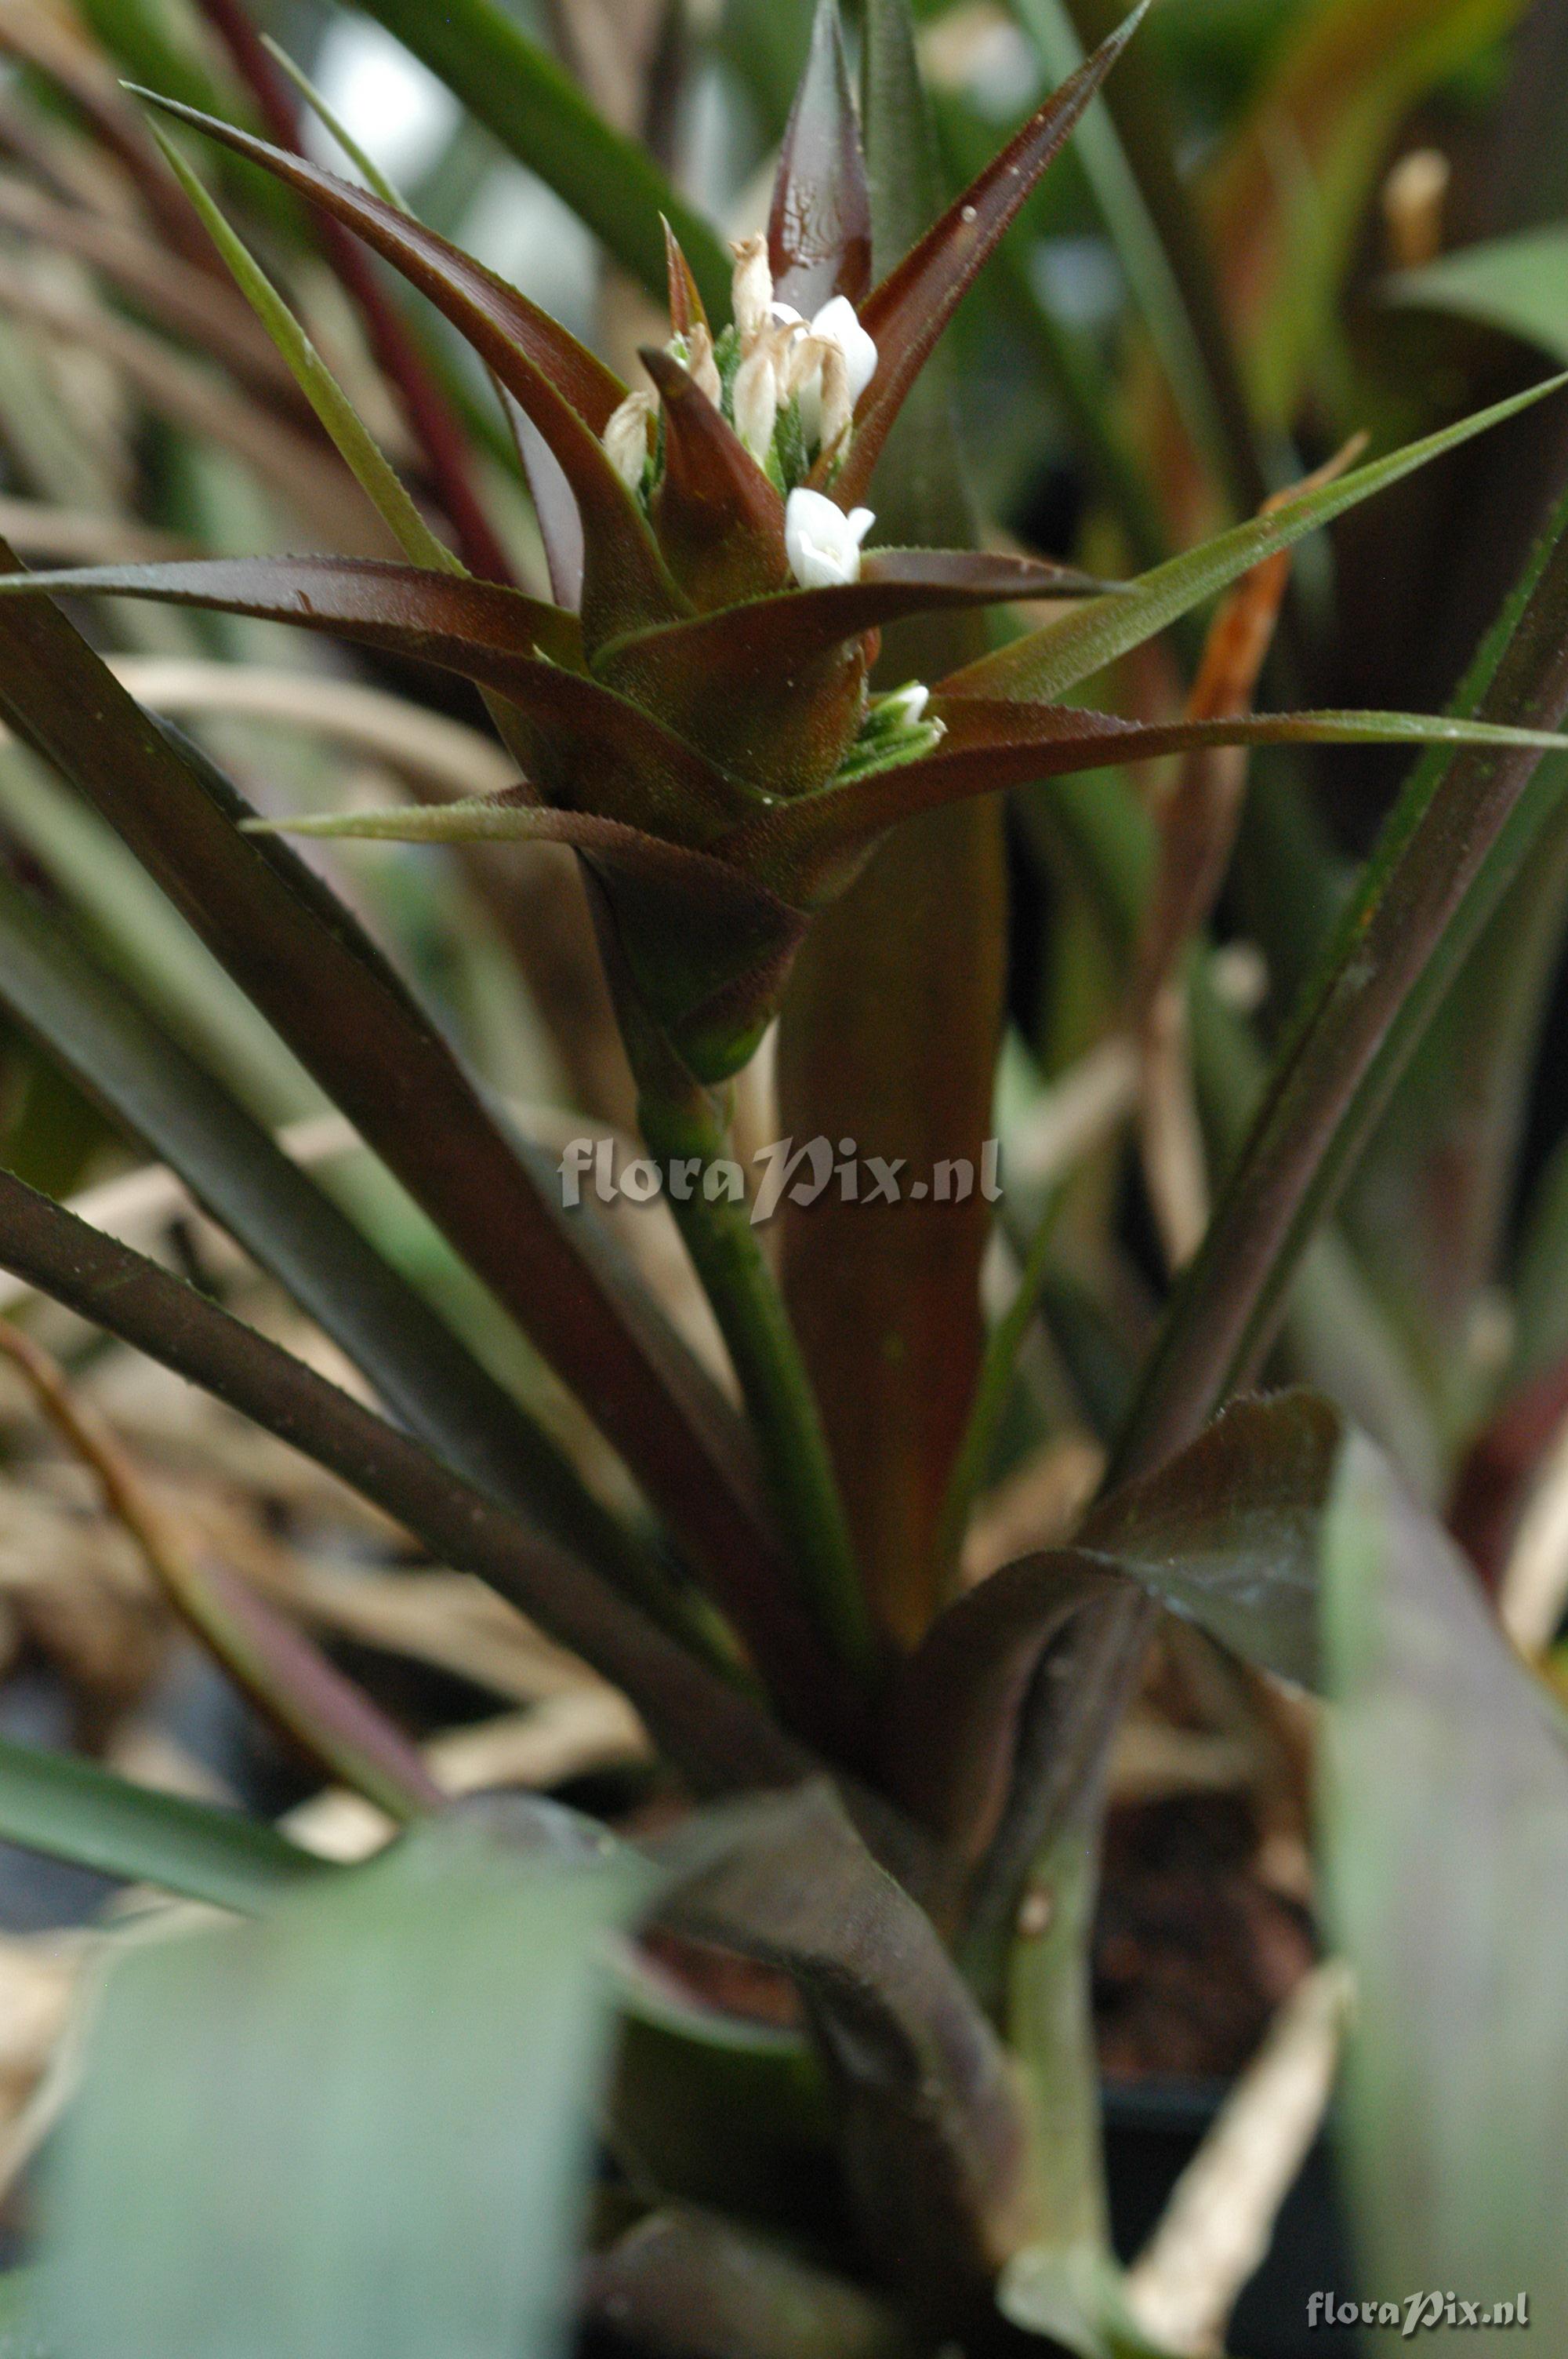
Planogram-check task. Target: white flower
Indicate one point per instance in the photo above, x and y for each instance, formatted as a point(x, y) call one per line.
point(839, 322)
point(701, 363)
point(627, 436)
point(822, 543)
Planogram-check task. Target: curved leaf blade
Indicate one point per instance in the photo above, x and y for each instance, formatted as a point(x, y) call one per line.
point(70, 1808)
point(1050, 662)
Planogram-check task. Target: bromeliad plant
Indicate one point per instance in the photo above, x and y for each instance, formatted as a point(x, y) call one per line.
point(695, 713)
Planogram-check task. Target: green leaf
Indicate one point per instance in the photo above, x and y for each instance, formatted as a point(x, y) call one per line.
point(1458, 837)
point(518, 92)
point(1343, 81)
point(114, 1050)
point(1050, 662)
point(309, 968)
point(1445, 1828)
point(1519, 284)
point(361, 2125)
point(72, 1810)
point(566, 392)
point(355, 443)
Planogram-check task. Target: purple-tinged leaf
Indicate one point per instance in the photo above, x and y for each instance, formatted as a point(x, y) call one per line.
point(300, 956)
point(569, 396)
point(408, 610)
point(1226, 1534)
point(579, 736)
point(819, 229)
point(722, 1738)
point(804, 849)
point(687, 311)
point(555, 507)
point(907, 313)
point(719, 520)
point(684, 2277)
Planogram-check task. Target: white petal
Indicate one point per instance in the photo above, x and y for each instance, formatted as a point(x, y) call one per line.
point(838, 319)
point(822, 543)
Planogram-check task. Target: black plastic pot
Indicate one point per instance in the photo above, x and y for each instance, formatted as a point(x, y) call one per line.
point(1151, 2131)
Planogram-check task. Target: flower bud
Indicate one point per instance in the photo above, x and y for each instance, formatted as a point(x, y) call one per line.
point(752, 289)
point(839, 322)
point(700, 362)
point(757, 401)
point(628, 436)
point(835, 401)
point(822, 543)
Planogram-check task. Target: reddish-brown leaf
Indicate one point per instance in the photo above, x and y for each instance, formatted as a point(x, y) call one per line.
point(567, 393)
point(819, 230)
point(687, 310)
point(907, 313)
point(718, 519)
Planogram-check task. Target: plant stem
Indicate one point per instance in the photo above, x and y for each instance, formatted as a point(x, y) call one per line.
point(682, 1127)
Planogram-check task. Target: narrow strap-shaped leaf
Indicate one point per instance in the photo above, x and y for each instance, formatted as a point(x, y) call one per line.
point(1051, 662)
point(1457, 838)
point(720, 1738)
point(72, 1810)
point(407, 369)
point(718, 519)
point(819, 229)
point(408, 610)
point(801, 848)
point(521, 94)
point(427, 1380)
point(571, 726)
point(300, 957)
point(567, 394)
point(907, 313)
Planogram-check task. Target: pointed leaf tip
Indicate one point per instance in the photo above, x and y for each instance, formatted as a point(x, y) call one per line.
point(907, 313)
point(686, 308)
point(819, 228)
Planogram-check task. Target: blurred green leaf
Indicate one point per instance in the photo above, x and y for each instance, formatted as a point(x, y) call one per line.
point(72, 1810)
point(534, 109)
point(1049, 662)
point(1457, 839)
point(362, 2125)
point(1287, 197)
point(1519, 284)
point(1445, 1828)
